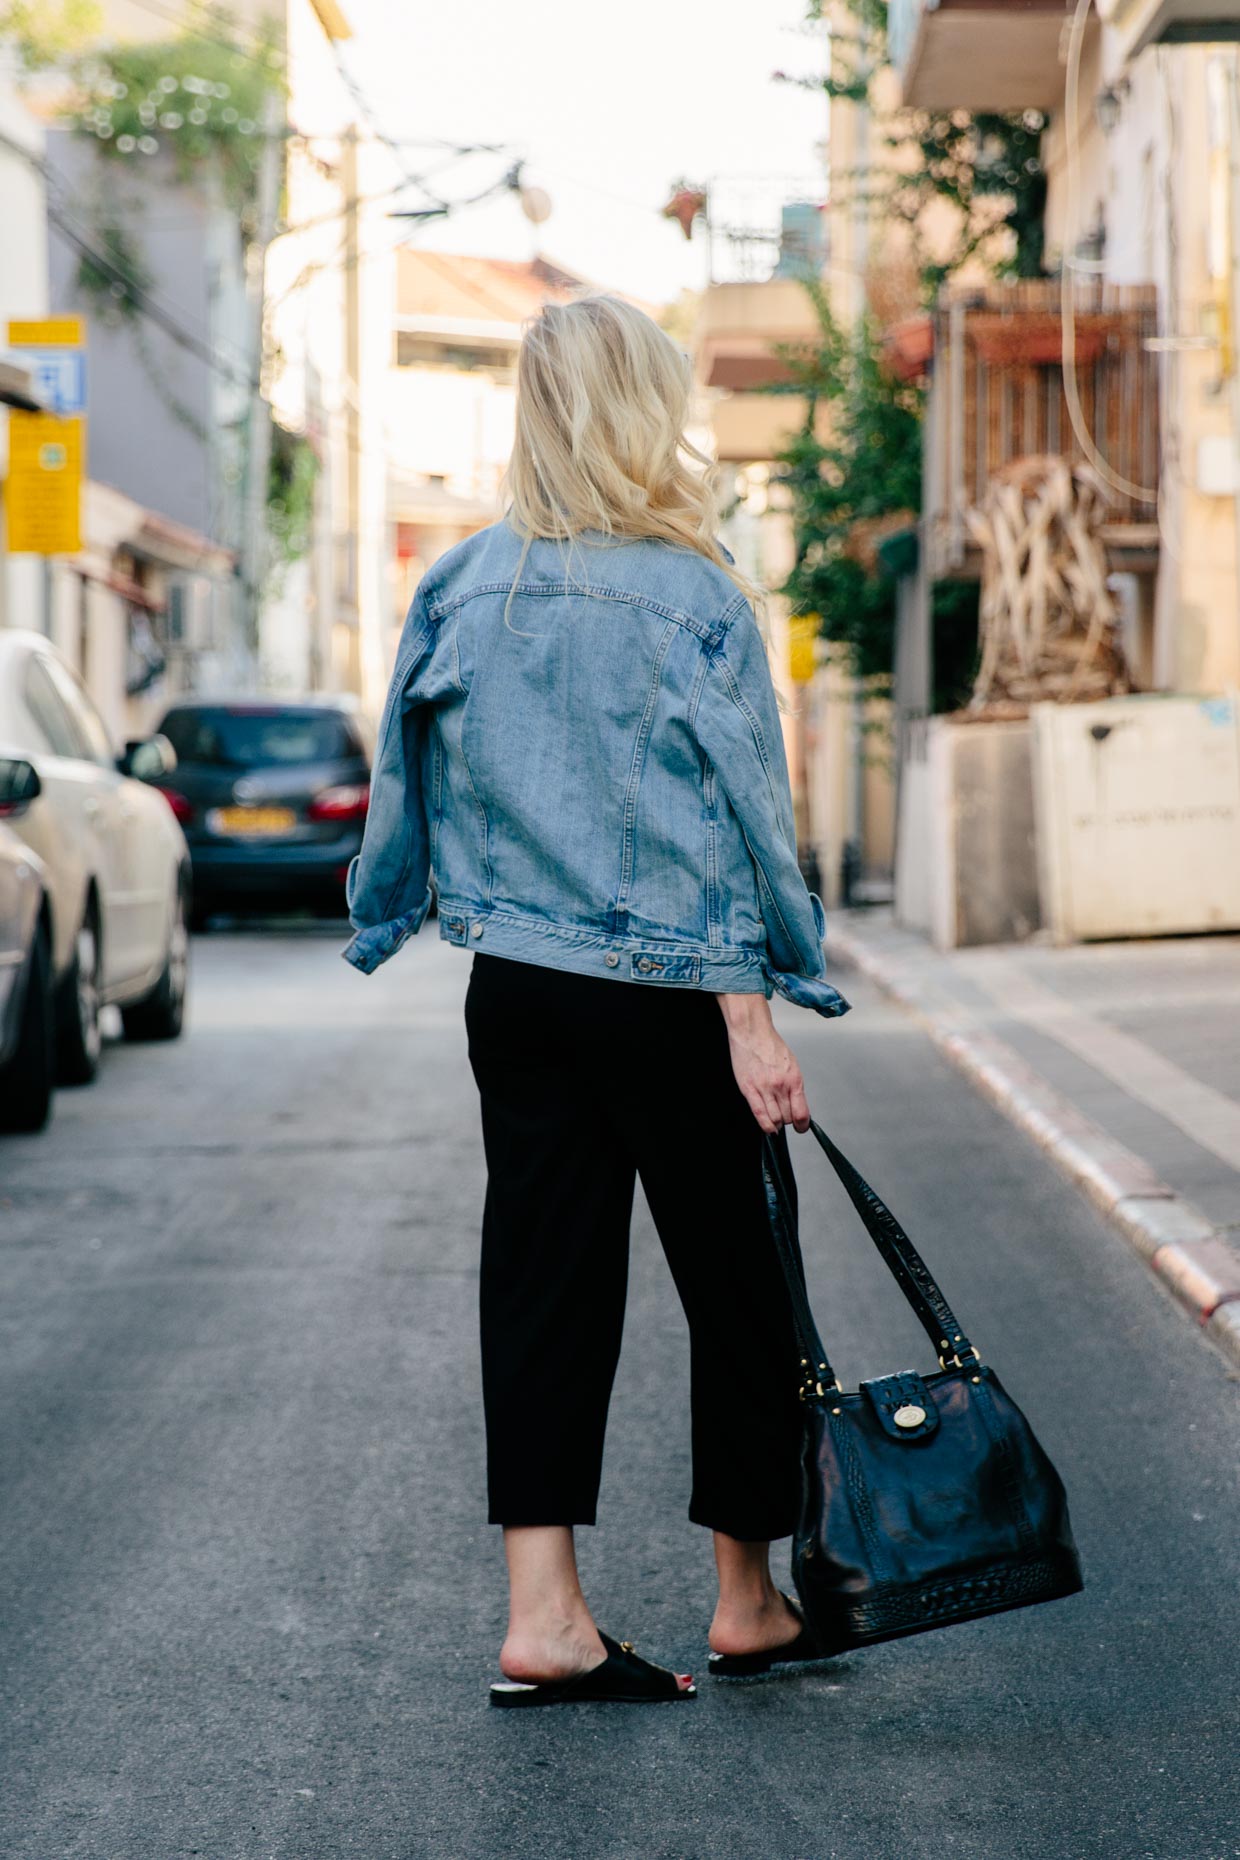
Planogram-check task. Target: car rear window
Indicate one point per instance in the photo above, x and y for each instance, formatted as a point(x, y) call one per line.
point(258, 739)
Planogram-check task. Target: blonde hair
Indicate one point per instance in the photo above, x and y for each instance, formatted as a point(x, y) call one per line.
point(602, 404)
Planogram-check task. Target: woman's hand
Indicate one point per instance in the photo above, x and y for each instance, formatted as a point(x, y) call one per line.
point(764, 1066)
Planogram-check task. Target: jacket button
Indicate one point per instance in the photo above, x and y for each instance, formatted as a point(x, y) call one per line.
point(643, 963)
point(612, 959)
point(477, 930)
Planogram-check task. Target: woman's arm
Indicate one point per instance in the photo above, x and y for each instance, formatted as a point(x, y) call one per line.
point(388, 885)
point(736, 721)
point(764, 1066)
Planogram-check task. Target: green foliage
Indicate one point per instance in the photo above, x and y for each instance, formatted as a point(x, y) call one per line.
point(199, 98)
point(44, 32)
point(117, 286)
point(867, 469)
point(291, 478)
point(989, 168)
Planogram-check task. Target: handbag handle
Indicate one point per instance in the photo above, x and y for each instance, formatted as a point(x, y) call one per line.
point(895, 1249)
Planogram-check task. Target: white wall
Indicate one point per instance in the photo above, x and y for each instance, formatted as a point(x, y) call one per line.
point(307, 280)
point(454, 425)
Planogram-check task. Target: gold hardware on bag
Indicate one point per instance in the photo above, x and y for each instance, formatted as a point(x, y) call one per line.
point(909, 1416)
point(626, 1646)
point(957, 1361)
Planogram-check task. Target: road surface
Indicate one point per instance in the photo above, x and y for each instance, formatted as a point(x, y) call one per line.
point(249, 1603)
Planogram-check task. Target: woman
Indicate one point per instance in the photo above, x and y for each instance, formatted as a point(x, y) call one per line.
point(582, 745)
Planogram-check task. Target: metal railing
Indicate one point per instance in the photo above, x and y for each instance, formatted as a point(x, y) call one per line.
point(997, 394)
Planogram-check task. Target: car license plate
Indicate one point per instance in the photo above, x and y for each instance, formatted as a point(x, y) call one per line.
point(251, 822)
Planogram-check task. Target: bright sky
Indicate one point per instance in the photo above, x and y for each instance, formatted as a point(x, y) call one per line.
point(609, 106)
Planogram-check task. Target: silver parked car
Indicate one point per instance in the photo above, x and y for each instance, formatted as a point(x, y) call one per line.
point(117, 867)
point(26, 1003)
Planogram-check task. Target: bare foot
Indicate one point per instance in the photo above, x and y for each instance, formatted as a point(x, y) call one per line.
point(755, 1628)
point(546, 1651)
point(546, 1654)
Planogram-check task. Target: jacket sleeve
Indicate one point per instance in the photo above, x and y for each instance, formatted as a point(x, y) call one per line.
point(388, 884)
point(736, 722)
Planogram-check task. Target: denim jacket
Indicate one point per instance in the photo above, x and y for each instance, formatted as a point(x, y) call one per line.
point(596, 784)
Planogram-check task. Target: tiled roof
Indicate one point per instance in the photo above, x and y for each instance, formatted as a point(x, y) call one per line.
point(492, 290)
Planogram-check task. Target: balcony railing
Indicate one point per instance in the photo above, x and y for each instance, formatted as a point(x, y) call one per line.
point(977, 54)
point(997, 393)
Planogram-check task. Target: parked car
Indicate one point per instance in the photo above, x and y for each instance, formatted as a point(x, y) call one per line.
point(116, 864)
point(272, 797)
point(27, 1046)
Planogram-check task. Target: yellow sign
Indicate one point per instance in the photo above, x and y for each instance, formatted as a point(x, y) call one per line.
point(46, 332)
point(43, 495)
point(802, 632)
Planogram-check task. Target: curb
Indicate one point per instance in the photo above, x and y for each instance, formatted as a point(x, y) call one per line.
point(1184, 1250)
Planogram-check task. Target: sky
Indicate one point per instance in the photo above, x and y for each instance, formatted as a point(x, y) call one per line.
point(608, 106)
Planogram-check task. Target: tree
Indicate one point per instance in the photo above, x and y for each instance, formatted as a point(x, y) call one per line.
point(847, 489)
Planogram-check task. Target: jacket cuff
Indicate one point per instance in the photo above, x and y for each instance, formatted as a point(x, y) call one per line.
point(810, 992)
point(372, 946)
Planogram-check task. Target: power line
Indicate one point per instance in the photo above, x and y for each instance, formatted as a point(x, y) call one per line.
point(134, 293)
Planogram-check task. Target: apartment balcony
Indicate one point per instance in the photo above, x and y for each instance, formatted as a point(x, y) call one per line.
point(736, 342)
point(1139, 23)
point(997, 394)
point(978, 54)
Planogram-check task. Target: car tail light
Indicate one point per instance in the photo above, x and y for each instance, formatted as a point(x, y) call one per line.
point(348, 802)
point(181, 807)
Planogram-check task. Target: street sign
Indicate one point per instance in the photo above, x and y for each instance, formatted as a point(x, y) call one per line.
point(52, 347)
point(43, 492)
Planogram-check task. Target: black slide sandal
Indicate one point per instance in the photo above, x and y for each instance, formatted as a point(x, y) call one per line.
point(749, 1665)
point(623, 1678)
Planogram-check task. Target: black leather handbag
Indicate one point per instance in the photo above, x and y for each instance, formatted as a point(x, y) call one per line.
point(924, 1499)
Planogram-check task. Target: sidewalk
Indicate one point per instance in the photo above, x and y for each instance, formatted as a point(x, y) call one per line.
point(1122, 1060)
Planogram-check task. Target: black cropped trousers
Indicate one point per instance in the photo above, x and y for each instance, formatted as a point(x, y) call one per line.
point(587, 1084)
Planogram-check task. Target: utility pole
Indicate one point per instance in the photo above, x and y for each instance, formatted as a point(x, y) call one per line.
point(252, 553)
point(350, 172)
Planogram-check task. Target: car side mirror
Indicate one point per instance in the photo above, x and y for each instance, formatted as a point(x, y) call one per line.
point(19, 786)
point(148, 758)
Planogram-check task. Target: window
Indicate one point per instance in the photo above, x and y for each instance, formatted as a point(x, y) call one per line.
point(245, 739)
point(415, 351)
point(87, 722)
point(53, 720)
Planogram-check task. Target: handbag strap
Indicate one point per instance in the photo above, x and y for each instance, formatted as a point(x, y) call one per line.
point(816, 1371)
point(895, 1249)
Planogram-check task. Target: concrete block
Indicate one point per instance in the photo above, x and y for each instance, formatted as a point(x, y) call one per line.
point(1203, 1274)
point(1152, 1223)
point(1223, 1328)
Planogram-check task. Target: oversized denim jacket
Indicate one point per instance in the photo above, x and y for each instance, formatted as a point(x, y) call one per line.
point(597, 783)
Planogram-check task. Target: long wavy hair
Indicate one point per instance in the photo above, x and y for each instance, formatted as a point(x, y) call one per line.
point(603, 399)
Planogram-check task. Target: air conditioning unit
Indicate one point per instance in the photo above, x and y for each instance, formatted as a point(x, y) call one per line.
point(1137, 803)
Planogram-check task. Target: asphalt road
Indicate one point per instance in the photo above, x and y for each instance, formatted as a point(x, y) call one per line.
point(249, 1604)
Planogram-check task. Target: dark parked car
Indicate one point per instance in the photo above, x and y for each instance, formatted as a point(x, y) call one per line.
point(27, 1012)
point(271, 796)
